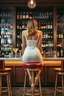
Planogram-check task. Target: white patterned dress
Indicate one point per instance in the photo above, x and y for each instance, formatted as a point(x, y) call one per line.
point(32, 53)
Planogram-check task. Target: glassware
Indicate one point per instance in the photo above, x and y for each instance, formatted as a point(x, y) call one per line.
point(55, 55)
point(15, 51)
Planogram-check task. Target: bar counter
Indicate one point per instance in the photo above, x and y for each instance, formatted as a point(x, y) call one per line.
point(17, 75)
point(46, 61)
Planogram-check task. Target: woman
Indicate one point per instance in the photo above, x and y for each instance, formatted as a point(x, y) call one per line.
point(32, 42)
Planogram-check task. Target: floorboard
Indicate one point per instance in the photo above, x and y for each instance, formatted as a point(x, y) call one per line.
point(46, 91)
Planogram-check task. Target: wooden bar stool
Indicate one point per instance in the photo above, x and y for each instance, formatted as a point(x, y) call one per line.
point(33, 69)
point(59, 72)
point(5, 72)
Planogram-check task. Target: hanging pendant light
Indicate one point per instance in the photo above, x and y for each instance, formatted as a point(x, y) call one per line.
point(31, 4)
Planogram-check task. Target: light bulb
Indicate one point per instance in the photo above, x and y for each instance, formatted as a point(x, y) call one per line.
point(31, 4)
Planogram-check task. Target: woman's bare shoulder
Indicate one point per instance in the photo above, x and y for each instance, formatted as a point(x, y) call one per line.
point(24, 32)
point(39, 32)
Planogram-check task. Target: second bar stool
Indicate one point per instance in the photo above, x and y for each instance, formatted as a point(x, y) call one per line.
point(59, 72)
point(33, 69)
point(5, 72)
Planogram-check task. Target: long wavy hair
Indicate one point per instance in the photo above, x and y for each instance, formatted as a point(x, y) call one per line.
point(31, 27)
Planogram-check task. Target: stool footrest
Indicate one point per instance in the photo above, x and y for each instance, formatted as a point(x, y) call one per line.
point(29, 92)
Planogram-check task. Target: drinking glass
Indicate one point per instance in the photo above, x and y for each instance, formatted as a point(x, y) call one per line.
point(55, 55)
point(15, 51)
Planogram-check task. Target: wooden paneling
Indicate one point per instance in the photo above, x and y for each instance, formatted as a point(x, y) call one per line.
point(19, 75)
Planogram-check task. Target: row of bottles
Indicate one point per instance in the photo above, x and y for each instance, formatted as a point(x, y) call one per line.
point(37, 15)
point(5, 15)
point(47, 52)
point(47, 44)
point(60, 53)
point(50, 52)
point(46, 25)
point(6, 25)
point(47, 35)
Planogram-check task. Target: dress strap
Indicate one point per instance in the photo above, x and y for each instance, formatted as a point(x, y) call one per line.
point(38, 40)
point(25, 37)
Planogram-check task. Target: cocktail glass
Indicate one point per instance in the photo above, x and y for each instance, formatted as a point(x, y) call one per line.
point(15, 51)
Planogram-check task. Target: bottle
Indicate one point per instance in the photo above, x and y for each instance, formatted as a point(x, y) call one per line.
point(61, 52)
point(20, 15)
point(27, 15)
point(24, 16)
point(17, 15)
point(57, 53)
point(23, 25)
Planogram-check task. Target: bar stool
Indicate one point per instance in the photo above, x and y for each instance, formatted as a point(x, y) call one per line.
point(59, 72)
point(5, 72)
point(33, 69)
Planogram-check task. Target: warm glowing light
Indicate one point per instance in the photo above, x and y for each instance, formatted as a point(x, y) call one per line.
point(31, 4)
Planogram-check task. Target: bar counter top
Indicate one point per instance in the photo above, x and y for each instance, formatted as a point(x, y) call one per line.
point(47, 61)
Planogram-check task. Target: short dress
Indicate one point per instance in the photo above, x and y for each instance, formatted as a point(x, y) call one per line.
point(32, 53)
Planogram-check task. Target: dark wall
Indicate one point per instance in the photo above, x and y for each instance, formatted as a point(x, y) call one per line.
point(39, 2)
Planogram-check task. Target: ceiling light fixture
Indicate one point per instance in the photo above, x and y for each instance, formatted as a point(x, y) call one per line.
point(31, 4)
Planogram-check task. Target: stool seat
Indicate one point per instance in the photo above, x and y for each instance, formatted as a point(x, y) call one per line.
point(5, 70)
point(59, 70)
point(32, 65)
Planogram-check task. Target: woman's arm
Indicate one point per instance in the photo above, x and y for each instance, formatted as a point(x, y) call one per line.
point(23, 42)
point(40, 41)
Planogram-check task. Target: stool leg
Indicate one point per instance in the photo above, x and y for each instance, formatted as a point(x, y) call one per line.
point(9, 85)
point(37, 77)
point(0, 85)
point(29, 74)
point(24, 83)
point(40, 87)
point(62, 86)
point(33, 85)
point(55, 84)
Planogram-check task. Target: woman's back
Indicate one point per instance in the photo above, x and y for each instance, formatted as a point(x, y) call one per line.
point(32, 53)
point(31, 42)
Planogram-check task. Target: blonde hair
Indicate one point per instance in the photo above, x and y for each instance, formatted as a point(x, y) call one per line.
point(32, 27)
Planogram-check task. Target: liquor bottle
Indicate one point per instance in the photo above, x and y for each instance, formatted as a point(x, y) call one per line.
point(61, 52)
point(58, 54)
point(24, 16)
point(51, 26)
point(30, 15)
point(23, 25)
point(18, 15)
point(27, 15)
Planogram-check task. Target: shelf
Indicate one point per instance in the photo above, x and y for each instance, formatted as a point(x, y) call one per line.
point(6, 30)
point(44, 18)
point(60, 31)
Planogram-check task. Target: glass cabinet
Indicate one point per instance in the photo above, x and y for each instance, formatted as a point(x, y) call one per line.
point(60, 32)
point(6, 30)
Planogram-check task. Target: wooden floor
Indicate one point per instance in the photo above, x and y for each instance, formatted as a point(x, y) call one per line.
point(46, 91)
